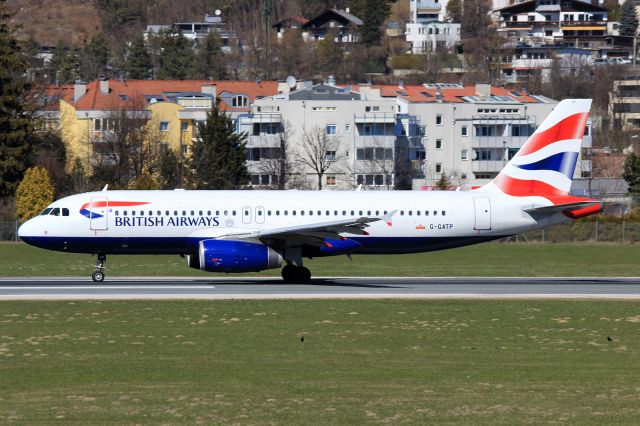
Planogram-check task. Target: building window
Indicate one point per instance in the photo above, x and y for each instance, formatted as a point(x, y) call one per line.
point(464, 131)
point(240, 101)
point(438, 167)
point(438, 143)
point(372, 108)
point(330, 155)
point(347, 128)
point(184, 126)
point(164, 126)
point(185, 149)
point(331, 180)
point(331, 129)
point(439, 119)
point(97, 125)
point(586, 131)
point(464, 156)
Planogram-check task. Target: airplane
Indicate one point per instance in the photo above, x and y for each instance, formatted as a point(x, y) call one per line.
point(249, 231)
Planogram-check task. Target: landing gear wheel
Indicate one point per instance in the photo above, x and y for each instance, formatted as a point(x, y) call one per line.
point(98, 274)
point(289, 274)
point(304, 275)
point(296, 274)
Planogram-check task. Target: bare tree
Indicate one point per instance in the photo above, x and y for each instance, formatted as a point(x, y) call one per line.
point(126, 143)
point(319, 152)
point(280, 162)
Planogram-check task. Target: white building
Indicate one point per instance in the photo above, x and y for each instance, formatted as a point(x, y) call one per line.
point(396, 135)
point(427, 30)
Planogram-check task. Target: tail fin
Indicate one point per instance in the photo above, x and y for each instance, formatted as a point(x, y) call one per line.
point(545, 164)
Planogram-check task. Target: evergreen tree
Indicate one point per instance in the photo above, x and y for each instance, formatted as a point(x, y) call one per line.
point(628, 19)
point(443, 183)
point(34, 193)
point(94, 59)
point(373, 14)
point(454, 10)
point(64, 66)
point(15, 125)
point(218, 157)
point(170, 170)
point(176, 56)
point(632, 174)
point(328, 55)
point(137, 63)
point(210, 62)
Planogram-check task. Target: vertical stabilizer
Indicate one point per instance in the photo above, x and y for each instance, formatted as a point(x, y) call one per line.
point(545, 164)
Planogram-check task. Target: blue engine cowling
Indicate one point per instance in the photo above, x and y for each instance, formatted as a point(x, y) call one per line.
point(234, 256)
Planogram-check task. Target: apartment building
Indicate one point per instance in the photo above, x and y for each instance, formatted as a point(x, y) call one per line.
point(428, 30)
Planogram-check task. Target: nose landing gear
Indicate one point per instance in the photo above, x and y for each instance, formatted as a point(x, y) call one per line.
point(98, 274)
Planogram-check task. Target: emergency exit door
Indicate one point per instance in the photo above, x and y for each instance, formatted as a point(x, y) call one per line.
point(483, 213)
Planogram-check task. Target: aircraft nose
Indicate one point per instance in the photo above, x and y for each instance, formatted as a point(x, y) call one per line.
point(26, 229)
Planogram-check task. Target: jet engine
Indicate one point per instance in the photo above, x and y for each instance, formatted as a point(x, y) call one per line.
point(233, 256)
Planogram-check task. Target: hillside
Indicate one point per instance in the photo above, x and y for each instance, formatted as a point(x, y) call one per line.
point(49, 21)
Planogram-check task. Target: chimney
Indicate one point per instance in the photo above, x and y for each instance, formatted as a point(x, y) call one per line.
point(208, 89)
point(79, 90)
point(438, 95)
point(104, 86)
point(283, 87)
point(401, 84)
point(483, 89)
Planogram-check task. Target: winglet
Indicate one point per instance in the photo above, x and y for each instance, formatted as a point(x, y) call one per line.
point(105, 188)
point(387, 217)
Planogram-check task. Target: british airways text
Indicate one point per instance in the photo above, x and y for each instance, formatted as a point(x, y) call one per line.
point(167, 221)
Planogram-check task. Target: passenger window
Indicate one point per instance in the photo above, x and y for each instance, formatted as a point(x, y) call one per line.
point(192, 213)
point(124, 213)
point(150, 213)
point(360, 213)
point(377, 213)
point(418, 212)
point(426, 212)
point(65, 212)
point(217, 212)
point(277, 212)
point(259, 212)
point(167, 212)
point(117, 212)
point(301, 212)
point(368, 212)
point(352, 213)
point(335, 212)
point(344, 213)
point(200, 212)
point(246, 212)
point(233, 212)
point(159, 213)
point(268, 212)
point(208, 212)
point(226, 213)
point(175, 212)
point(286, 212)
point(444, 213)
point(435, 212)
point(184, 213)
point(294, 212)
point(401, 212)
point(141, 212)
point(410, 212)
point(46, 211)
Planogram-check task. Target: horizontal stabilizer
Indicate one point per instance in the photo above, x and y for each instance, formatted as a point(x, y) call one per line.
point(571, 210)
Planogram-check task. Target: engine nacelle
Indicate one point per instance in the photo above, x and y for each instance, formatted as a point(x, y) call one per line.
point(234, 256)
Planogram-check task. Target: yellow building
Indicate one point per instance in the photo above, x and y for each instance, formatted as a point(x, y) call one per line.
point(167, 110)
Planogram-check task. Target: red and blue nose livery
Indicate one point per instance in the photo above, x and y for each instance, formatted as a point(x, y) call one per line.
point(87, 209)
point(545, 164)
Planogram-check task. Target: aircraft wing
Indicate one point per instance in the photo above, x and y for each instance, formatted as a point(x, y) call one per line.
point(310, 234)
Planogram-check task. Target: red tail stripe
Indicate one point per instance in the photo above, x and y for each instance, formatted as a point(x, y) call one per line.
point(526, 188)
point(571, 127)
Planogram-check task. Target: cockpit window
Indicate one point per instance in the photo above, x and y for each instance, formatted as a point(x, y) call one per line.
point(46, 211)
point(65, 212)
point(55, 212)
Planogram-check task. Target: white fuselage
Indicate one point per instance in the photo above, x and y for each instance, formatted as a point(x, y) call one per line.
point(175, 221)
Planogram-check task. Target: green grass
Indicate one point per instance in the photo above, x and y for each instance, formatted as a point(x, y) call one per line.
point(493, 259)
point(391, 361)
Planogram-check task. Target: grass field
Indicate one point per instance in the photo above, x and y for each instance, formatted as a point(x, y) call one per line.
point(493, 259)
point(242, 362)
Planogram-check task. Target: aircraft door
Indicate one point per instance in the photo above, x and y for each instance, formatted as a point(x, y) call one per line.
point(483, 213)
point(259, 214)
point(98, 213)
point(246, 215)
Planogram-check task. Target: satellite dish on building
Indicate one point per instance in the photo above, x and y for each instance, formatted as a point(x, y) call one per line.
point(153, 100)
point(291, 82)
point(217, 12)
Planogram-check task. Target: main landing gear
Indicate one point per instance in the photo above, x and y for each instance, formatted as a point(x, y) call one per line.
point(296, 274)
point(98, 274)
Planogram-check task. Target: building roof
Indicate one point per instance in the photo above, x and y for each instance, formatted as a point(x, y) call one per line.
point(345, 18)
point(451, 93)
point(122, 90)
point(298, 19)
point(530, 6)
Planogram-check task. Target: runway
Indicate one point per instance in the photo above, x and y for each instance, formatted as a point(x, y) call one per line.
point(320, 288)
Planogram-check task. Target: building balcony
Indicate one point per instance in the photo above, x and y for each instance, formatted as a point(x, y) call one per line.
point(373, 118)
point(487, 166)
point(531, 63)
point(264, 140)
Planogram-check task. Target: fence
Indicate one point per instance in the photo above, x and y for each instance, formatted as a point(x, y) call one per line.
point(9, 230)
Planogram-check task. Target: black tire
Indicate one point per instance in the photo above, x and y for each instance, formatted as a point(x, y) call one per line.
point(304, 275)
point(97, 276)
point(289, 274)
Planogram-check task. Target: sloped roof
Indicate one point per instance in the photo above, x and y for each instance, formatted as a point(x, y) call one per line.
point(421, 93)
point(530, 6)
point(333, 14)
point(120, 90)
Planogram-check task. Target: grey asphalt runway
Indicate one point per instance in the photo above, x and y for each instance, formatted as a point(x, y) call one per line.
point(320, 288)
